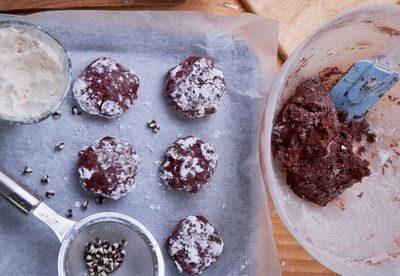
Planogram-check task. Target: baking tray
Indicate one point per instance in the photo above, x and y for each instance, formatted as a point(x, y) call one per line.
point(243, 46)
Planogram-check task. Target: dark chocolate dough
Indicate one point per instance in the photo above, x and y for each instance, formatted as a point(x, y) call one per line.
point(313, 143)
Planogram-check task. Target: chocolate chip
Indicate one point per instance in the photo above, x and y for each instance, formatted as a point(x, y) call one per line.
point(153, 126)
point(50, 194)
point(75, 110)
point(85, 205)
point(60, 146)
point(45, 179)
point(69, 213)
point(100, 199)
point(28, 170)
point(56, 115)
point(123, 242)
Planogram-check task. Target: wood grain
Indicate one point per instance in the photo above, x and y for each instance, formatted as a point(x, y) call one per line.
point(16, 5)
point(216, 6)
point(297, 19)
point(293, 257)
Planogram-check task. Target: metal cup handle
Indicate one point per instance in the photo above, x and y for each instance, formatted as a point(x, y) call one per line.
point(18, 194)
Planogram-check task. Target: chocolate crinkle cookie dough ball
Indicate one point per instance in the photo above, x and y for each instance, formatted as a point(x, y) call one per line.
point(106, 88)
point(108, 167)
point(313, 143)
point(194, 245)
point(195, 87)
point(189, 164)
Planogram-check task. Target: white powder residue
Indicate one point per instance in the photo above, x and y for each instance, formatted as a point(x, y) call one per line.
point(190, 167)
point(105, 63)
point(32, 75)
point(111, 108)
point(187, 142)
point(217, 134)
point(154, 207)
point(231, 6)
point(84, 173)
point(384, 156)
point(122, 189)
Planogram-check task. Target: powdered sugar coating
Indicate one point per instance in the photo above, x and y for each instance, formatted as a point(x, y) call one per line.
point(195, 87)
point(108, 167)
point(189, 164)
point(106, 88)
point(194, 245)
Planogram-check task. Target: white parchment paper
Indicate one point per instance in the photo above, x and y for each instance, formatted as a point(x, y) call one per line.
point(150, 43)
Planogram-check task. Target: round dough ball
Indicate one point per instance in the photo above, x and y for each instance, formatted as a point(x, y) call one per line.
point(194, 245)
point(189, 164)
point(108, 167)
point(195, 87)
point(106, 88)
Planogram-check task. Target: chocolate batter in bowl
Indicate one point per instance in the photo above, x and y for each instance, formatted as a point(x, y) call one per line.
point(357, 232)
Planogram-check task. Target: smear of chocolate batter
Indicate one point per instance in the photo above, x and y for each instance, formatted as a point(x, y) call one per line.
point(313, 142)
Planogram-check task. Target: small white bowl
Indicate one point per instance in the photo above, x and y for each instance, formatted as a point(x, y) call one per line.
point(46, 38)
point(358, 233)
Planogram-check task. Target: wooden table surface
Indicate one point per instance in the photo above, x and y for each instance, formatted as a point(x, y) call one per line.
point(297, 19)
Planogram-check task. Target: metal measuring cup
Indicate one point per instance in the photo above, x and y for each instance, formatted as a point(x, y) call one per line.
point(143, 256)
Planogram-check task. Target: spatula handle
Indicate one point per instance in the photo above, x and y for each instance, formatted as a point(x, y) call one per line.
point(17, 193)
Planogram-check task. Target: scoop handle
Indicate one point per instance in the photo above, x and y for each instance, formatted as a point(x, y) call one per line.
point(18, 194)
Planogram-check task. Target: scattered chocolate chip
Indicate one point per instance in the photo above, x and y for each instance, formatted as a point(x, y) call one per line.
point(85, 205)
point(56, 115)
point(123, 242)
point(28, 170)
point(45, 179)
point(100, 199)
point(69, 213)
point(60, 146)
point(371, 137)
point(153, 126)
point(75, 110)
point(50, 194)
point(360, 195)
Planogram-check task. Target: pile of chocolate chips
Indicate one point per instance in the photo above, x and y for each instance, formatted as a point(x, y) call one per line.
point(102, 257)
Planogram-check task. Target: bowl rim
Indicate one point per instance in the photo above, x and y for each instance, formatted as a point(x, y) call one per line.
point(68, 76)
point(266, 125)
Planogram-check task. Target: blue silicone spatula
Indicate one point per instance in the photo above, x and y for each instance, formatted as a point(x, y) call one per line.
point(367, 81)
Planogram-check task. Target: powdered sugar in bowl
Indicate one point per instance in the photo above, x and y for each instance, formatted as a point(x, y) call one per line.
point(35, 73)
